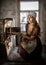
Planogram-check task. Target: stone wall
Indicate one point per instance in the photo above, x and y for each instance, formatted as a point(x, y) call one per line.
point(10, 9)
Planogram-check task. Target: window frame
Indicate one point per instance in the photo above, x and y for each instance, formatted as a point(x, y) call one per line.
point(21, 11)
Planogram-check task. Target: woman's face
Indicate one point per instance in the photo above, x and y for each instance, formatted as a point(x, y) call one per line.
point(30, 19)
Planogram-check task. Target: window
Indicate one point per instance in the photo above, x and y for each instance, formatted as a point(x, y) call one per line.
point(25, 8)
point(31, 5)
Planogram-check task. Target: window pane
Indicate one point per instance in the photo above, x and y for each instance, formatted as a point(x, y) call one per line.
point(23, 27)
point(32, 5)
point(23, 17)
point(37, 16)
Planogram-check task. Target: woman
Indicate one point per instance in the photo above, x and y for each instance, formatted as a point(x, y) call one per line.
point(30, 47)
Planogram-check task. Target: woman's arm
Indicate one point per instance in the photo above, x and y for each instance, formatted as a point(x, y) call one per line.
point(27, 37)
